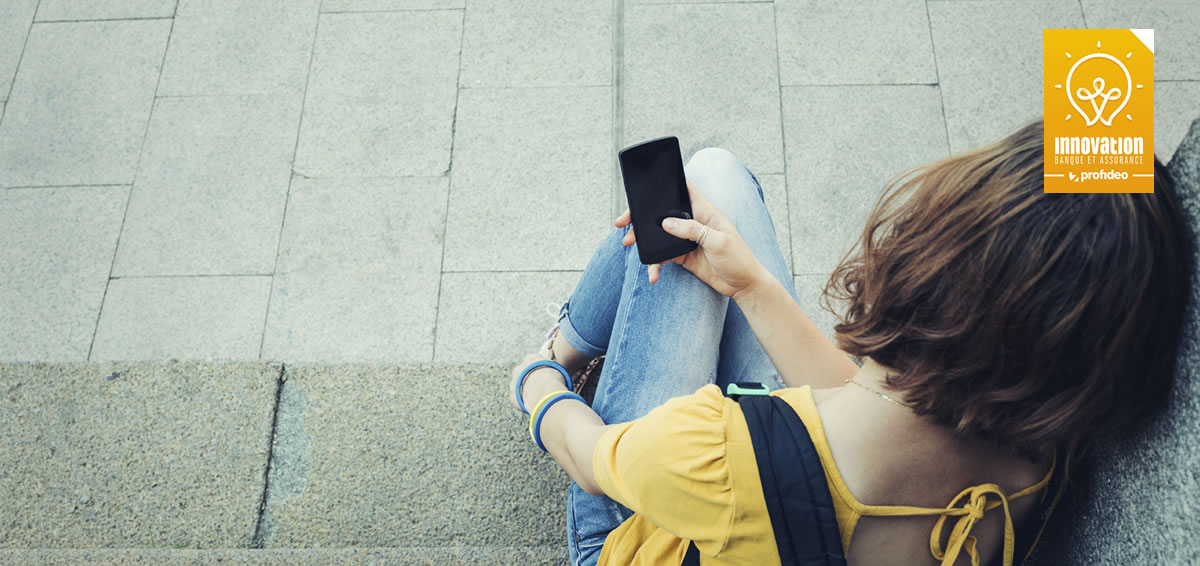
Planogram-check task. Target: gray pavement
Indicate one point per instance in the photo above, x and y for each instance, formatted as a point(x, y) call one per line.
point(413, 180)
point(175, 455)
point(156, 455)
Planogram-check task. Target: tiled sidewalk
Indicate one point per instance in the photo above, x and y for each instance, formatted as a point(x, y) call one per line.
point(412, 180)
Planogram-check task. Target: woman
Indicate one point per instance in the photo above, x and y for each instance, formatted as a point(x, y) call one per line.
point(1000, 329)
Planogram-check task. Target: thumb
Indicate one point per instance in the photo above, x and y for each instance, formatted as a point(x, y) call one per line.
point(683, 228)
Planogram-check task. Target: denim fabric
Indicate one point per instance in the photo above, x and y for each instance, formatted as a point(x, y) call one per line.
point(669, 338)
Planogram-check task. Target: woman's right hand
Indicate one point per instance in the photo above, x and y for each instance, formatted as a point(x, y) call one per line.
point(725, 262)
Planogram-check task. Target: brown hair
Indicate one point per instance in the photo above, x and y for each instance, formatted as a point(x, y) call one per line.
point(1030, 319)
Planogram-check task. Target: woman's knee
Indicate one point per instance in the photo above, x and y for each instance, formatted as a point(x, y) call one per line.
point(724, 179)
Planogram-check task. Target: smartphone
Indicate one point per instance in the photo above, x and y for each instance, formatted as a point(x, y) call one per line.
point(656, 188)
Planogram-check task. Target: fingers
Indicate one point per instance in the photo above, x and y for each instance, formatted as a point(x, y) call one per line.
point(623, 219)
point(687, 229)
point(654, 269)
point(629, 238)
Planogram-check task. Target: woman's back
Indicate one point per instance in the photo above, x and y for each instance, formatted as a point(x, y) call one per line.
point(888, 456)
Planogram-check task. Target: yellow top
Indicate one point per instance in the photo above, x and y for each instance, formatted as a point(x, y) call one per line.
point(687, 469)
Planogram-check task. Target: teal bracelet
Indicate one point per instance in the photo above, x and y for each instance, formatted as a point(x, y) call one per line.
point(536, 429)
point(529, 369)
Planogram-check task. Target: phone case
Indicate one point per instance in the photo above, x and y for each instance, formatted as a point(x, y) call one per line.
point(656, 188)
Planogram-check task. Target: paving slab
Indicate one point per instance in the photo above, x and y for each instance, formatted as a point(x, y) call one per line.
point(56, 250)
point(706, 73)
point(532, 179)
point(537, 44)
point(240, 47)
point(210, 192)
point(352, 317)
point(381, 95)
point(432, 556)
point(486, 317)
point(78, 108)
point(149, 318)
point(841, 156)
point(1176, 104)
point(633, 2)
point(775, 195)
point(133, 455)
point(63, 10)
point(989, 57)
point(854, 42)
point(15, 19)
point(388, 5)
point(405, 455)
point(1176, 25)
point(358, 271)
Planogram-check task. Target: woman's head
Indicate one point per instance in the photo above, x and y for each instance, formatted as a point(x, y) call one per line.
point(1028, 318)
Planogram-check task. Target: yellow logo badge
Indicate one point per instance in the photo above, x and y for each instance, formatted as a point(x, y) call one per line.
point(1099, 110)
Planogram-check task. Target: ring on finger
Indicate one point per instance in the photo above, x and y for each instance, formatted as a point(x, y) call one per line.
point(703, 234)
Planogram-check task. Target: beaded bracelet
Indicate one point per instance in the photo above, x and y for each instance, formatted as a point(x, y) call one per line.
point(543, 407)
point(529, 369)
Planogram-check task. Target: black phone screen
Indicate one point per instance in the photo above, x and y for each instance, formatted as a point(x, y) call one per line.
point(656, 188)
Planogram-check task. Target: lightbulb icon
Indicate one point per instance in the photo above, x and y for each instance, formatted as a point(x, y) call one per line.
point(1105, 102)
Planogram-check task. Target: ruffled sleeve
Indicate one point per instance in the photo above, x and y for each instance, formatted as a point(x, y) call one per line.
point(670, 467)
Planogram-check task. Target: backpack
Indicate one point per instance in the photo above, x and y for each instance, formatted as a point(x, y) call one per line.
point(797, 495)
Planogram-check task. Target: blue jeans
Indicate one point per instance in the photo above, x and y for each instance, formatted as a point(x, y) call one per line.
point(665, 339)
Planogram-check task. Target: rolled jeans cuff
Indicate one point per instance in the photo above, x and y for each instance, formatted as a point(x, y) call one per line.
point(576, 341)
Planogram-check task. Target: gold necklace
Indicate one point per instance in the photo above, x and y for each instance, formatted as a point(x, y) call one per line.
point(879, 393)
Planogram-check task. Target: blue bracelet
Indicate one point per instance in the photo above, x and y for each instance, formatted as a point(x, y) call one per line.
point(528, 369)
point(537, 420)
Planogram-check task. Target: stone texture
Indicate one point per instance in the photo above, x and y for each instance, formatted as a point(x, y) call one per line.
point(537, 44)
point(388, 5)
point(532, 178)
point(381, 95)
point(854, 42)
point(15, 19)
point(147, 455)
point(56, 249)
point(634, 2)
point(1176, 104)
point(1134, 501)
point(841, 157)
point(59, 10)
point(148, 318)
point(240, 47)
point(79, 108)
point(430, 556)
point(499, 316)
point(707, 74)
point(1176, 25)
point(420, 438)
point(210, 192)
point(358, 271)
point(989, 57)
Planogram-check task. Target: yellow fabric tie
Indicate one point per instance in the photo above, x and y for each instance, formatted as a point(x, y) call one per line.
point(972, 511)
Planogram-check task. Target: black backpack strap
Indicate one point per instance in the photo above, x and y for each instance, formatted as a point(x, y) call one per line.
point(692, 558)
point(793, 483)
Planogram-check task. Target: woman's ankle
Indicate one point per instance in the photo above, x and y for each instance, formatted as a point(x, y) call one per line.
point(565, 354)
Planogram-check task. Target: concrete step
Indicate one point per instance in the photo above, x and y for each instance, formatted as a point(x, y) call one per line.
point(228, 455)
point(450, 556)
